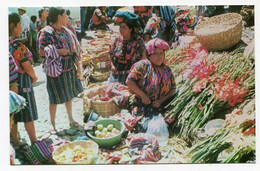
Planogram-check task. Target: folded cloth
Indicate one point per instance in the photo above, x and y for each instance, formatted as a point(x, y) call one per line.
point(52, 64)
point(129, 120)
point(146, 146)
point(17, 102)
point(117, 92)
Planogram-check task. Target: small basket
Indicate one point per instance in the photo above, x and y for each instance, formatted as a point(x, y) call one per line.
point(102, 76)
point(101, 57)
point(103, 108)
point(89, 146)
point(220, 32)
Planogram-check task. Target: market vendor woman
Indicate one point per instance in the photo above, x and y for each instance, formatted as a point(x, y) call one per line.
point(99, 18)
point(128, 49)
point(151, 79)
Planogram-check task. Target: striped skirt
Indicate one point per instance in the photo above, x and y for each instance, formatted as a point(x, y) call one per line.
point(29, 112)
point(63, 88)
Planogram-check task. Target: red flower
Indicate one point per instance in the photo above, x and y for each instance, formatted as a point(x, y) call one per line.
point(250, 131)
point(200, 85)
point(200, 106)
point(228, 90)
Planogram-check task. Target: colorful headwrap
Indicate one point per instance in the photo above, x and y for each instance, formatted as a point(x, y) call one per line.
point(185, 20)
point(152, 25)
point(123, 16)
point(156, 43)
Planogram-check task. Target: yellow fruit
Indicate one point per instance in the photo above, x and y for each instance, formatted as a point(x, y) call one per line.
point(110, 127)
point(100, 127)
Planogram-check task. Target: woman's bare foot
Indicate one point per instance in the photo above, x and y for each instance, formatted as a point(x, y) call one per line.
point(73, 123)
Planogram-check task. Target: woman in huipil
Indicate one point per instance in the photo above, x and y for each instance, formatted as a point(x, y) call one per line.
point(56, 41)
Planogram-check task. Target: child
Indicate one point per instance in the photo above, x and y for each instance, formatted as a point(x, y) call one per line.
point(77, 28)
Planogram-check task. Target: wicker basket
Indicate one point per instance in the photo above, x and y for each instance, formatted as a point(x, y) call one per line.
point(89, 146)
point(101, 57)
point(220, 32)
point(102, 76)
point(103, 108)
point(86, 60)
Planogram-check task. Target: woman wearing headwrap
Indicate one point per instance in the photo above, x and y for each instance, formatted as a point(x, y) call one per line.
point(99, 18)
point(151, 79)
point(184, 21)
point(128, 49)
point(59, 46)
point(152, 28)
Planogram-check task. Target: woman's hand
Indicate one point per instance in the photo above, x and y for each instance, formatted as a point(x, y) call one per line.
point(79, 75)
point(41, 53)
point(14, 88)
point(113, 69)
point(63, 52)
point(34, 79)
point(157, 103)
point(145, 99)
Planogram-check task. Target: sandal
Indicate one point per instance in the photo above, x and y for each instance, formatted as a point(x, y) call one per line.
point(53, 131)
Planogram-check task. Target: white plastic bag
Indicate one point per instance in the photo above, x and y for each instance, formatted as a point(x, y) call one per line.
point(158, 127)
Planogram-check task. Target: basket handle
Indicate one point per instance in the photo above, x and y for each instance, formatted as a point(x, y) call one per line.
point(87, 103)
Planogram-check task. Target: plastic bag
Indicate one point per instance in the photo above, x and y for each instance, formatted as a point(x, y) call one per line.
point(158, 127)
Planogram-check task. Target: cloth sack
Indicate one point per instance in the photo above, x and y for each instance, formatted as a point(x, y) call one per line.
point(40, 152)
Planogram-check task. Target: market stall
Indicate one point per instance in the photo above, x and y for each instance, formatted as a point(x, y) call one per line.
point(213, 111)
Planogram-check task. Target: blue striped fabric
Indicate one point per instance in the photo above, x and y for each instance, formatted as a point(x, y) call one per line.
point(16, 102)
point(29, 113)
point(167, 15)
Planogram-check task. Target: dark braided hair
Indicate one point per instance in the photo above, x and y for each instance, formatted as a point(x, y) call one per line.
point(54, 12)
point(14, 19)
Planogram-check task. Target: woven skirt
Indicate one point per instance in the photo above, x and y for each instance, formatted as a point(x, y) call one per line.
point(29, 113)
point(63, 88)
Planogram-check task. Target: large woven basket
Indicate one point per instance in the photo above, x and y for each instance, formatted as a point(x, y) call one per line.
point(220, 32)
point(86, 60)
point(88, 146)
point(103, 108)
point(103, 76)
point(100, 57)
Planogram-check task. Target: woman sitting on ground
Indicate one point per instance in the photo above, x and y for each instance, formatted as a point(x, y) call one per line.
point(151, 80)
point(99, 18)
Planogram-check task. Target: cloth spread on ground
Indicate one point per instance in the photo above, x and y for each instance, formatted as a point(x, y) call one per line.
point(145, 146)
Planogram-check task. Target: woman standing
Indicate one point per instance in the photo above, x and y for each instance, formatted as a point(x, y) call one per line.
point(58, 40)
point(128, 49)
point(42, 20)
point(26, 77)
